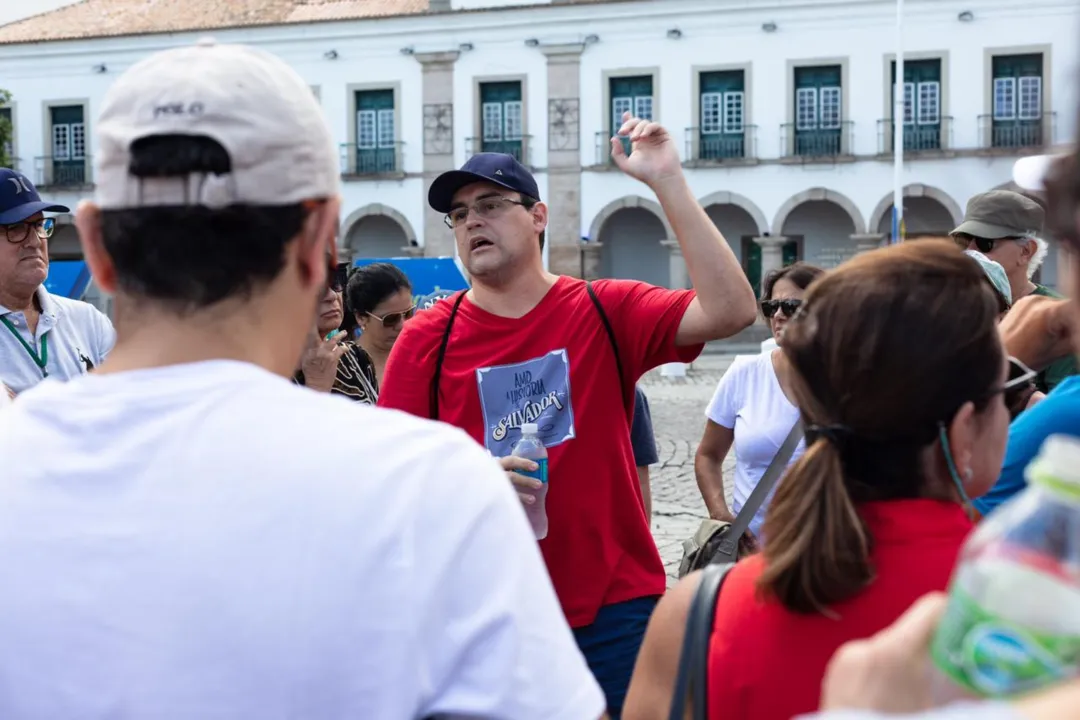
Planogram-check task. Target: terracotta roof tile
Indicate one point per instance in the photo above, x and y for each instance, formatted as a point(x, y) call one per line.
point(105, 18)
point(345, 9)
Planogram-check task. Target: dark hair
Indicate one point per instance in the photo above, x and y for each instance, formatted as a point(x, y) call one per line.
point(190, 257)
point(529, 203)
point(372, 284)
point(876, 397)
point(800, 273)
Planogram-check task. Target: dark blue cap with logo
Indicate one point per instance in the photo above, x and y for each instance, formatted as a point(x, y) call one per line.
point(496, 168)
point(19, 198)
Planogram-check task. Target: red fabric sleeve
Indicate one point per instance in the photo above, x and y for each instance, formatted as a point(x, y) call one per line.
point(409, 369)
point(646, 319)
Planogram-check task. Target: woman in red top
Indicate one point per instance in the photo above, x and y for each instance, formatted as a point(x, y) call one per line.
point(898, 370)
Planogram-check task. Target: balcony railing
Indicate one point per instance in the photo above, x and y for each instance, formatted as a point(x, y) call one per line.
point(357, 161)
point(815, 141)
point(720, 147)
point(62, 172)
point(917, 138)
point(520, 148)
point(997, 133)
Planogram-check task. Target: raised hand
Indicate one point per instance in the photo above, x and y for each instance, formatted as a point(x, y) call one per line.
point(319, 362)
point(653, 157)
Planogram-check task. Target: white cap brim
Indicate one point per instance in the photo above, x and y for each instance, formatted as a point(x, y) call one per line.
point(1030, 172)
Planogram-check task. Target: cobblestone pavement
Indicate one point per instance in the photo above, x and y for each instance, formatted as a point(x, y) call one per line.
point(678, 414)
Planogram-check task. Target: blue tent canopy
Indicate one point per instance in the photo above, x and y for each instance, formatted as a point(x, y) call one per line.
point(431, 277)
point(68, 278)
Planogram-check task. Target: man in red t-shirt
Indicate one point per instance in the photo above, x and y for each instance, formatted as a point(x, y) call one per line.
point(526, 346)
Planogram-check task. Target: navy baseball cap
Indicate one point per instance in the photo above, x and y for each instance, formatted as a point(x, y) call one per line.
point(496, 168)
point(19, 198)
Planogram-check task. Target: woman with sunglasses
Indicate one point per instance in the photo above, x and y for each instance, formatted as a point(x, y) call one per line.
point(331, 363)
point(898, 369)
point(752, 407)
point(380, 300)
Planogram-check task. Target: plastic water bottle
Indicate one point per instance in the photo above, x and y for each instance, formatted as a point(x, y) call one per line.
point(530, 447)
point(1013, 619)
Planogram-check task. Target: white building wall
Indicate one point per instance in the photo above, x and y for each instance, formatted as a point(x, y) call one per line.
point(629, 35)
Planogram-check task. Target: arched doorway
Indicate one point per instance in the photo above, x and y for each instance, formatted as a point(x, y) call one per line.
point(928, 212)
point(740, 228)
point(377, 231)
point(923, 217)
point(631, 247)
point(822, 227)
point(376, 236)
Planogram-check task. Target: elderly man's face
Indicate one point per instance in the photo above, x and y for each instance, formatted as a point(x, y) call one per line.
point(24, 254)
point(1013, 255)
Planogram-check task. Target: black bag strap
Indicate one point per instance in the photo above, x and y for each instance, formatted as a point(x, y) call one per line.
point(692, 679)
point(729, 544)
point(434, 402)
point(628, 400)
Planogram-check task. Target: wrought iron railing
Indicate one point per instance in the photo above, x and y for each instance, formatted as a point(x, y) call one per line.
point(520, 149)
point(357, 161)
point(718, 147)
point(817, 141)
point(1035, 133)
point(63, 172)
point(917, 138)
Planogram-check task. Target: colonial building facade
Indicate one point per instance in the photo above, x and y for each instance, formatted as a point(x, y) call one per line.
point(782, 110)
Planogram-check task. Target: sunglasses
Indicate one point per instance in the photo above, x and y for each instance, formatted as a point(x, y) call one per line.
point(985, 245)
point(769, 307)
point(1019, 375)
point(392, 320)
point(19, 232)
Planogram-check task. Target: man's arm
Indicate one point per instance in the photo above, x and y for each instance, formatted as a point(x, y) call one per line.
point(725, 302)
point(643, 442)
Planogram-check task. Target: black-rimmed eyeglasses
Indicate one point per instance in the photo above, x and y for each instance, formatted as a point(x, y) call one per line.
point(19, 232)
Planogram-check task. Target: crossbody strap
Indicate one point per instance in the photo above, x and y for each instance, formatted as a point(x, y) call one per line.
point(729, 544)
point(628, 399)
point(434, 401)
point(692, 679)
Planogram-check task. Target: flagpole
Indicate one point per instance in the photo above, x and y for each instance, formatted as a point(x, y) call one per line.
point(898, 129)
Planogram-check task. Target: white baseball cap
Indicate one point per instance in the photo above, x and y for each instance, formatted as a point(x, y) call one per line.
point(1030, 172)
point(257, 107)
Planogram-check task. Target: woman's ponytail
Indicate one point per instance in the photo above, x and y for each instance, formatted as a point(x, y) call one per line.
point(817, 550)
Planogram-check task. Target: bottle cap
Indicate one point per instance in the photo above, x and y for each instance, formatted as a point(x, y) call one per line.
point(529, 429)
point(1055, 467)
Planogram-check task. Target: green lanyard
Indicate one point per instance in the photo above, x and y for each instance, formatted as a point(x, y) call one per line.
point(40, 360)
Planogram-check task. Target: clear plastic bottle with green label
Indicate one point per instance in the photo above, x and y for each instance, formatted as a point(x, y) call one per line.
point(1013, 619)
point(531, 448)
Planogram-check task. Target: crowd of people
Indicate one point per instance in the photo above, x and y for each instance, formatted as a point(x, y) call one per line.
point(172, 546)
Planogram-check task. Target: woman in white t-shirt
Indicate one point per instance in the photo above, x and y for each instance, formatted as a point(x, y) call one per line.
point(751, 408)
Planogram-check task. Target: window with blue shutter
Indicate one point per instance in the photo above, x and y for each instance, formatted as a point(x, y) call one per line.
point(376, 135)
point(633, 95)
point(501, 124)
point(723, 106)
point(68, 153)
point(922, 104)
point(1017, 100)
point(819, 111)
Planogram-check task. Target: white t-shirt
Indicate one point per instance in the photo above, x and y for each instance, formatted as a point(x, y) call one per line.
point(211, 541)
point(749, 400)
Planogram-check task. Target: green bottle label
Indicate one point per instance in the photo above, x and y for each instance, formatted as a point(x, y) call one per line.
point(995, 658)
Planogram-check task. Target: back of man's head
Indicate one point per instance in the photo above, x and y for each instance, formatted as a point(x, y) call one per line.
point(211, 160)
